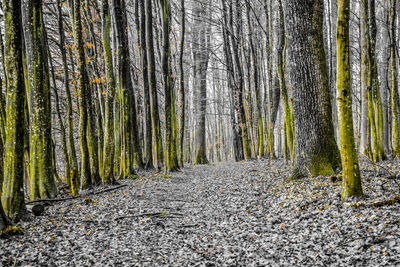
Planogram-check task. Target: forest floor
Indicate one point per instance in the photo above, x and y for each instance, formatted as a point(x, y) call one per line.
point(227, 214)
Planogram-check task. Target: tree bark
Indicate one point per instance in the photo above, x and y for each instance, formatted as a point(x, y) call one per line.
point(12, 196)
point(260, 124)
point(316, 149)
point(351, 185)
point(288, 114)
point(109, 142)
point(364, 28)
point(182, 85)
point(171, 160)
point(273, 90)
point(239, 83)
point(201, 39)
point(148, 155)
point(131, 156)
point(86, 179)
point(42, 183)
point(395, 94)
point(155, 116)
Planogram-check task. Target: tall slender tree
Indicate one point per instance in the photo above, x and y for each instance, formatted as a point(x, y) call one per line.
point(155, 116)
point(42, 183)
point(254, 57)
point(109, 144)
point(239, 83)
point(395, 94)
point(182, 85)
point(171, 159)
point(73, 162)
point(201, 54)
point(86, 179)
point(351, 185)
point(375, 115)
point(148, 153)
point(364, 45)
point(12, 196)
point(282, 81)
point(273, 91)
point(131, 155)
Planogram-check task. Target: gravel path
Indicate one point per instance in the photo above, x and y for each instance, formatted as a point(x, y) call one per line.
point(229, 214)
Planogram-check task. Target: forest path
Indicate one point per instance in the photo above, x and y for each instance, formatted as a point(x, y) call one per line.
point(228, 214)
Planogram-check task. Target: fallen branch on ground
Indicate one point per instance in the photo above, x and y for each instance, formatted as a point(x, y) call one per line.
point(77, 197)
point(386, 202)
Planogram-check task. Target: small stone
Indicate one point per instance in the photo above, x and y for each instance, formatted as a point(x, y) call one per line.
point(38, 210)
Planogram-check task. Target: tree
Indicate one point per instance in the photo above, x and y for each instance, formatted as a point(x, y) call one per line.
point(273, 91)
point(109, 145)
point(237, 145)
point(86, 179)
point(395, 94)
point(351, 185)
point(182, 85)
point(131, 155)
point(239, 83)
point(42, 183)
point(254, 57)
point(364, 43)
point(93, 102)
point(171, 160)
point(155, 116)
point(148, 153)
point(282, 81)
point(375, 148)
point(73, 162)
point(12, 196)
point(316, 150)
point(201, 57)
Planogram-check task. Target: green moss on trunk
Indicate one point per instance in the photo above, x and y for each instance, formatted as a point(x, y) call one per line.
point(109, 145)
point(12, 196)
point(351, 185)
point(86, 180)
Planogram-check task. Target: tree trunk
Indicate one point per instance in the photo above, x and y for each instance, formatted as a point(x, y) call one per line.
point(236, 142)
point(131, 157)
point(42, 183)
point(73, 175)
point(374, 96)
point(201, 44)
point(109, 145)
point(171, 160)
point(364, 28)
point(148, 155)
point(316, 149)
point(273, 90)
point(260, 150)
point(182, 85)
point(155, 116)
point(281, 50)
point(351, 185)
point(239, 84)
point(395, 95)
point(12, 196)
point(86, 180)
